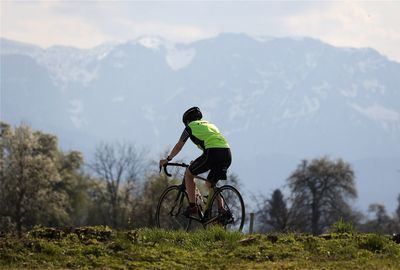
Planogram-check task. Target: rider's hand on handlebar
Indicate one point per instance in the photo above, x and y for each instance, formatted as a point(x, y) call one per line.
point(162, 163)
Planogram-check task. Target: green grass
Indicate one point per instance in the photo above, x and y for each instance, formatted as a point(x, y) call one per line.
point(101, 247)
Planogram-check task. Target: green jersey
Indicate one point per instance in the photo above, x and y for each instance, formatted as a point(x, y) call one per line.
point(204, 134)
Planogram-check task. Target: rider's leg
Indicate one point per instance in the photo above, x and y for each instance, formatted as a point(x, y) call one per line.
point(210, 193)
point(209, 186)
point(190, 186)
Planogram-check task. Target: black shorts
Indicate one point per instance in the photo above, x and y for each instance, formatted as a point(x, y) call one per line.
point(217, 160)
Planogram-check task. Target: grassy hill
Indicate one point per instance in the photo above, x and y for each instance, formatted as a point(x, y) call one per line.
point(101, 247)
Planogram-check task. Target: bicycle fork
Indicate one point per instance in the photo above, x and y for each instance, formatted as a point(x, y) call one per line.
point(180, 197)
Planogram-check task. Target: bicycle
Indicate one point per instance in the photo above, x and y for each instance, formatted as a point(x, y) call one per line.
point(224, 207)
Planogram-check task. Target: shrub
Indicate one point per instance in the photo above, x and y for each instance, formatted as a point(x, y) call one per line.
point(373, 242)
point(342, 227)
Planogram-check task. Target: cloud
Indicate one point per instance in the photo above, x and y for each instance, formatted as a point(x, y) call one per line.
point(178, 33)
point(351, 24)
point(37, 23)
point(88, 23)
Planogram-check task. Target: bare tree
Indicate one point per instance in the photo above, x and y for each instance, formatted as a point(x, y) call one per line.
point(321, 187)
point(119, 165)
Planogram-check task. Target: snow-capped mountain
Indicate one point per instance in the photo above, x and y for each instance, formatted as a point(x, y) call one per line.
point(278, 100)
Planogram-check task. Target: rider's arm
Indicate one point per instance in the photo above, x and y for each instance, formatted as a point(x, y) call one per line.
point(177, 148)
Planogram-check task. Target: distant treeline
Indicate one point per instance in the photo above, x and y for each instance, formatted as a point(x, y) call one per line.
point(42, 185)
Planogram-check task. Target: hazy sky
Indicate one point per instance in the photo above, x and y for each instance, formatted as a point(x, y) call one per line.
point(89, 23)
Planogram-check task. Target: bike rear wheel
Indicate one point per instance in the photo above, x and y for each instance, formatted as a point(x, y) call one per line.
point(171, 205)
point(227, 208)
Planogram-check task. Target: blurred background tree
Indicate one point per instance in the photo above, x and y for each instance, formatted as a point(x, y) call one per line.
point(321, 189)
point(273, 214)
point(30, 182)
point(117, 167)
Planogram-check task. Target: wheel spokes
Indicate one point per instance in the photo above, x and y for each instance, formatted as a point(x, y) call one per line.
point(169, 213)
point(228, 209)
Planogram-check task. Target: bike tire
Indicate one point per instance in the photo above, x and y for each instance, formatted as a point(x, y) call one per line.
point(171, 205)
point(233, 201)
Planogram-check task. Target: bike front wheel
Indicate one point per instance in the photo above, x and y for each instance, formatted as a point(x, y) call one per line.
point(227, 208)
point(169, 215)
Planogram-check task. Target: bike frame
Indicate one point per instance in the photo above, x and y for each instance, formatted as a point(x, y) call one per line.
point(182, 187)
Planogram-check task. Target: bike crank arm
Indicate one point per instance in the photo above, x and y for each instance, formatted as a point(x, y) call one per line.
point(211, 220)
point(196, 219)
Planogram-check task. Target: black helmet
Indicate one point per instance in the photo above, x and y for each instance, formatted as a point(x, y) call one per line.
point(191, 114)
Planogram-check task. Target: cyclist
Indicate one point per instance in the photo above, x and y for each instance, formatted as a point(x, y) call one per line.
point(216, 156)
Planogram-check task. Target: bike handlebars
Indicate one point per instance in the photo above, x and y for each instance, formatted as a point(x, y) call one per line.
point(174, 164)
